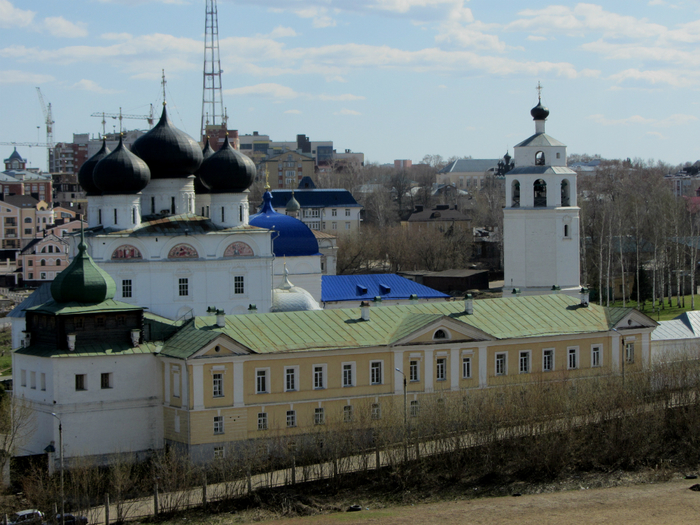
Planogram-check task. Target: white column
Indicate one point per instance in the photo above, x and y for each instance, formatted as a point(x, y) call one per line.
point(166, 380)
point(616, 353)
point(454, 369)
point(483, 367)
point(198, 386)
point(429, 372)
point(238, 385)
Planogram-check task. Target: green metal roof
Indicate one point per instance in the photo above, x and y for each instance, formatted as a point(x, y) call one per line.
point(89, 350)
point(83, 281)
point(507, 318)
point(76, 308)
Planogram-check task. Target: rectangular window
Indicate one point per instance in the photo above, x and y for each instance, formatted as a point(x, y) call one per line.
point(219, 452)
point(319, 416)
point(524, 362)
point(291, 418)
point(238, 284)
point(43, 381)
point(572, 358)
point(115, 216)
point(347, 212)
point(629, 352)
point(415, 407)
point(347, 225)
point(319, 377)
point(547, 359)
point(413, 370)
point(32, 380)
point(290, 379)
point(106, 380)
point(176, 383)
point(375, 372)
point(466, 367)
point(262, 420)
point(441, 369)
point(183, 284)
point(334, 212)
point(261, 382)
point(348, 374)
point(501, 369)
point(596, 355)
point(23, 378)
point(347, 413)
point(218, 385)
point(218, 424)
point(80, 382)
point(334, 225)
point(376, 411)
point(126, 288)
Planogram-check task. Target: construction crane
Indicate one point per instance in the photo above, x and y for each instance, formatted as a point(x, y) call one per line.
point(48, 119)
point(149, 118)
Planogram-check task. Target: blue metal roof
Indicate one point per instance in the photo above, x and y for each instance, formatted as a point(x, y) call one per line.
point(363, 287)
point(325, 198)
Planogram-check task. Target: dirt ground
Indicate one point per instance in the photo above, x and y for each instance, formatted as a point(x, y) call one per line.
point(668, 502)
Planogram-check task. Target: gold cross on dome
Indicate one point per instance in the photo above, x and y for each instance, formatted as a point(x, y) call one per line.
point(539, 90)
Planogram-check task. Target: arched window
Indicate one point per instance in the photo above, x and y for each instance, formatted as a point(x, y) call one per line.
point(58, 262)
point(50, 249)
point(515, 194)
point(27, 220)
point(539, 158)
point(42, 262)
point(565, 201)
point(58, 249)
point(440, 334)
point(43, 250)
point(540, 190)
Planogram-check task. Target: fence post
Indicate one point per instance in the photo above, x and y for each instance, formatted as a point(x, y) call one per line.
point(107, 508)
point(377, 464)
point(417, 449)
point(204, 492)
point(250, 481)
point(294, 470)
point(155, 499)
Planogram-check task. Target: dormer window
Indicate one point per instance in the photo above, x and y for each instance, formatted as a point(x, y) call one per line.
point(441, 334)
point(539, 158)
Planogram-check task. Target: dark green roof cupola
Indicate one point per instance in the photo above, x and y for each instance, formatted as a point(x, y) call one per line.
point(83, 281)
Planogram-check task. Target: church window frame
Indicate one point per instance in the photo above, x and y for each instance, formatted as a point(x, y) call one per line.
point(183, 286)
point(239, 284)
point(515, 194)
point(539, 191)
point(540, 158)
point(565, 193)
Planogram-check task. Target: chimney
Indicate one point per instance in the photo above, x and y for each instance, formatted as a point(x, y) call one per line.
point(516, 292)
point(71, 342)
point(252, 309)
point(364, 309)
point(584, 296)
point(556, 289)
point(468, 304)
point(377, 300)
point(413, 298)
point(220, 318)
point(135, 336)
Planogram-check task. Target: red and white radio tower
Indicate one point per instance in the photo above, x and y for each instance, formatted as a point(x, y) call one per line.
point(212, 96)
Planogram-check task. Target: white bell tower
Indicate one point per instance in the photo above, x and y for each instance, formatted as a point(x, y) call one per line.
point(541, 218)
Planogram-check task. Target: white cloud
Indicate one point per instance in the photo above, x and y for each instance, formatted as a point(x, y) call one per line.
point(60, 27)
point(281, 32)
point(116, 36)
point(335, 78)
point(671, 78)
point(656, 134)
point(671, 120)
point(94, 87)
point(278, 91)
point(535, 38)
point(293, 112)
point(471, 36)
point(23, 77)
point(442, 86)
point(347, 112)
point(11, 16)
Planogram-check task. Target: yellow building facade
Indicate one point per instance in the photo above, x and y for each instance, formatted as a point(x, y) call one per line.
point(284, 374)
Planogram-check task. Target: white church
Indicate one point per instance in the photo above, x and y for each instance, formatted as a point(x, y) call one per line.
point(541, 218)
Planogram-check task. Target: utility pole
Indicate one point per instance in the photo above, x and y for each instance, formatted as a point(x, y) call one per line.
point(212, 94)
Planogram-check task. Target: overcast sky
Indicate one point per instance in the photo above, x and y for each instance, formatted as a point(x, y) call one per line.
point(395, 79)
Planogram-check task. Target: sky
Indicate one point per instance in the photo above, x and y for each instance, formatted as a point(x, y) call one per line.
point(394, 79)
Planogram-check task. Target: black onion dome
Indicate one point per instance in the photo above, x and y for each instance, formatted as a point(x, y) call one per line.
point(169, 152)
point(228, 170)
point(86, 170)
point(539, 112)
point(199, 187)
point(121, 173)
